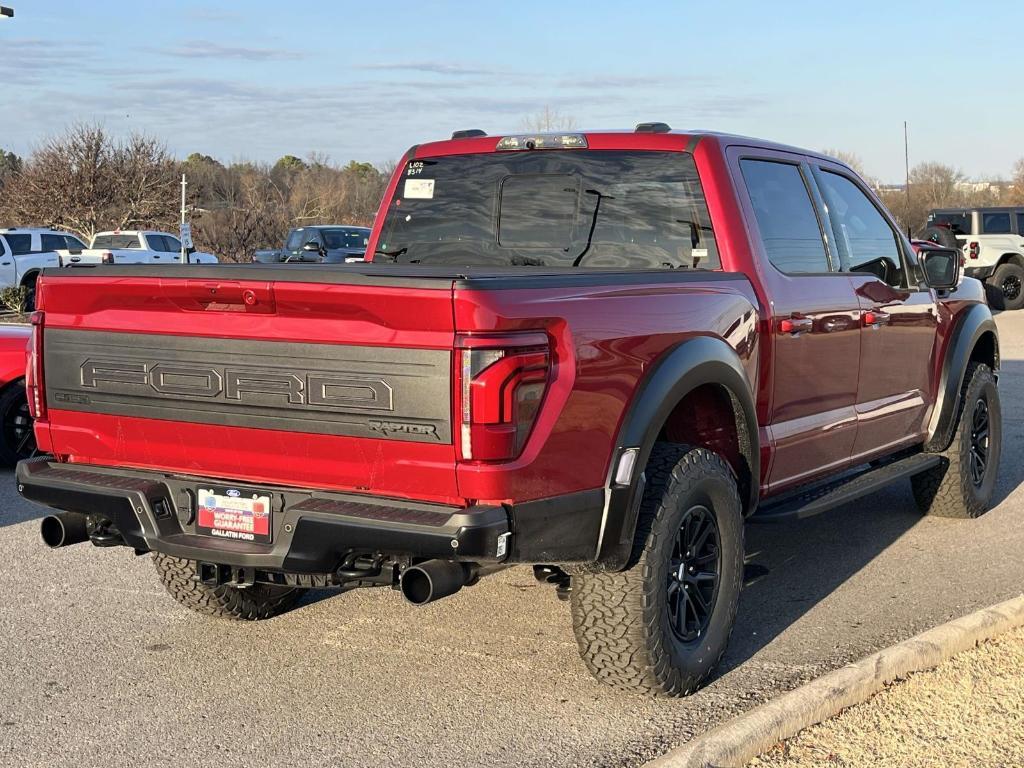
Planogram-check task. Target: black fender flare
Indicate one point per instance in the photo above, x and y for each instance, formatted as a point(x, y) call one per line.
point(688, 365)
point(970, 327)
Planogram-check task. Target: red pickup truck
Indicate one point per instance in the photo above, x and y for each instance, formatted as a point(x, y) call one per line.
point(597, 353)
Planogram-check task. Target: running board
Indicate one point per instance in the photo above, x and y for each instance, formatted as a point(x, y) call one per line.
point(825, 496)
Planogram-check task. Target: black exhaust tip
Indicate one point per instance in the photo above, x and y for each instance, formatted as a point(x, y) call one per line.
point(63, 530)
point(432, 580)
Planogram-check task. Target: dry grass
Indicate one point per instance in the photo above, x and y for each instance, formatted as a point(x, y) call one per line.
point(967, 713)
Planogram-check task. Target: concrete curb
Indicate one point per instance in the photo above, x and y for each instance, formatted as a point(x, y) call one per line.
point(743, 738)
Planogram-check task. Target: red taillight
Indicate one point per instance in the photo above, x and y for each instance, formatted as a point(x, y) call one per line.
point(34, 388)
point(502, 384)
point(975, 250)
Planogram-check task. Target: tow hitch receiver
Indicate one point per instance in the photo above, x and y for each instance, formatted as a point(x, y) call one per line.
point(216, 575)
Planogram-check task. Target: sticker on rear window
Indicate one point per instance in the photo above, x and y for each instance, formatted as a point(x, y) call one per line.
point(419, 189)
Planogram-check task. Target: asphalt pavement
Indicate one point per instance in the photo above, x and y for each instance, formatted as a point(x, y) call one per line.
point(99, 667)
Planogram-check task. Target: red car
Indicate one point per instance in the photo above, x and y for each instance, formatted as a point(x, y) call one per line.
point(597, 353)
point(17, 440)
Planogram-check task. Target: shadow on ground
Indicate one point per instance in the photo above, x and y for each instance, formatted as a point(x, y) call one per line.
point(793, 566)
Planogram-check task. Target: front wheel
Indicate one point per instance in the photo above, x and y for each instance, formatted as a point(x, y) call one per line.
point(963, 483)
point(661, 625)
point(1006, 287)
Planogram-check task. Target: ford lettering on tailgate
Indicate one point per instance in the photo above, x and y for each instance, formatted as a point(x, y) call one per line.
point(378, 392)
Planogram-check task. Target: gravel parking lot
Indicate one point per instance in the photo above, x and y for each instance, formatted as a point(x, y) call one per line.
point(99, 667)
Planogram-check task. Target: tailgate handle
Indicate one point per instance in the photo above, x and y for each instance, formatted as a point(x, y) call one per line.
point(222, 296)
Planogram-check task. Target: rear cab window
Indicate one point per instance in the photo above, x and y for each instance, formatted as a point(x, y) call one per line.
point(551, 208)
point(116, 241)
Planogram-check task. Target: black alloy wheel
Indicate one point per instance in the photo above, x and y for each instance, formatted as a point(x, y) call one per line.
point(17, 426)
point(979, 442)
point(694, 574)
point(1011, 287)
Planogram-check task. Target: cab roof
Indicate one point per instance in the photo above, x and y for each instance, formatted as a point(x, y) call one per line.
point(621, 139)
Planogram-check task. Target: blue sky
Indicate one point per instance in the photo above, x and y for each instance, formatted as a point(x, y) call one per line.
point(364, 80)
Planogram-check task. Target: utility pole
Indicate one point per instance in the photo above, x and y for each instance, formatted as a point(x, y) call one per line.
point(906, 162)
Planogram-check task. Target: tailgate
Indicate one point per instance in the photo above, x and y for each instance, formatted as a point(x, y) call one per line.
point(344, 384)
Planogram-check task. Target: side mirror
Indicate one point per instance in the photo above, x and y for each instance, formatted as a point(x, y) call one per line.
point(312, 245)
point(941, 267)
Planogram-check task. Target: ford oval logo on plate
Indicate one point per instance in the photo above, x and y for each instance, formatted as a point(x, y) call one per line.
point(233, 493)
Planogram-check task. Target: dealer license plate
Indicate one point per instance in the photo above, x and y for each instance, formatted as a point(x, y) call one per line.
point(236, 514)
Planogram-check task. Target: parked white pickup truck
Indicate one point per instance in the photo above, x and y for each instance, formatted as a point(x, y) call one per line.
point(136, 247)
point(26, 251)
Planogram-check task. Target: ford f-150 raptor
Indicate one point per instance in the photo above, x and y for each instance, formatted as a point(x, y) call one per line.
point(597, 353)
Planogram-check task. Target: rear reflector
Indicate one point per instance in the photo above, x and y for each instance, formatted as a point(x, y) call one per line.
point(502, 385)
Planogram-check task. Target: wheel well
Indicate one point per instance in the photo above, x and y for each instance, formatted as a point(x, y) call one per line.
point(1011, 258)
point(711, 417)
point(30, 278)
point(986, 351)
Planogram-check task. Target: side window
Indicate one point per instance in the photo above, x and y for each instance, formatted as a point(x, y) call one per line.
point(994, 223)
point(19, 244)
point(865, 241)
point(52, 242)
point(295, 240)
point(1020, 224)
point(785, 216)
point(74, 244)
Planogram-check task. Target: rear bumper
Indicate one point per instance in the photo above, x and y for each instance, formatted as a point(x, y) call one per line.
point(314, 531)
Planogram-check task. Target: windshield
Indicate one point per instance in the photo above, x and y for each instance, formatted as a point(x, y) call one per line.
point(355, 237)
point(610, 209)
point(115, 241)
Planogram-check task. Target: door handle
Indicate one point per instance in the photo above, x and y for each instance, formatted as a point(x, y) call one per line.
point(874, 318)
point(795, 325)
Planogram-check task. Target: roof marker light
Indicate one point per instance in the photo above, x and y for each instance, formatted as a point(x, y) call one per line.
point(543, 141)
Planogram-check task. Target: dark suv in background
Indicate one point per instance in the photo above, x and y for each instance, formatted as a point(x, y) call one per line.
point(326, 244)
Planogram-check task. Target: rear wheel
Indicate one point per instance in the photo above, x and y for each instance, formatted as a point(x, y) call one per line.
point(963, 483)
point(1007, 287)
point(661, 625)
point(260, 601)
point(17, 439)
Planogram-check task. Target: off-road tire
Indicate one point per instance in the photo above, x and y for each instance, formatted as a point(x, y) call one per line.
point(14, 417)
point(260, 601)
point(994, 287)
point(621, 620)
point(948, 489)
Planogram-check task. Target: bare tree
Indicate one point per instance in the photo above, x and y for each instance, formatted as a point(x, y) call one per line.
point(549, 119)
point(85, 182)
point(1017, 192)
point(854, 161)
